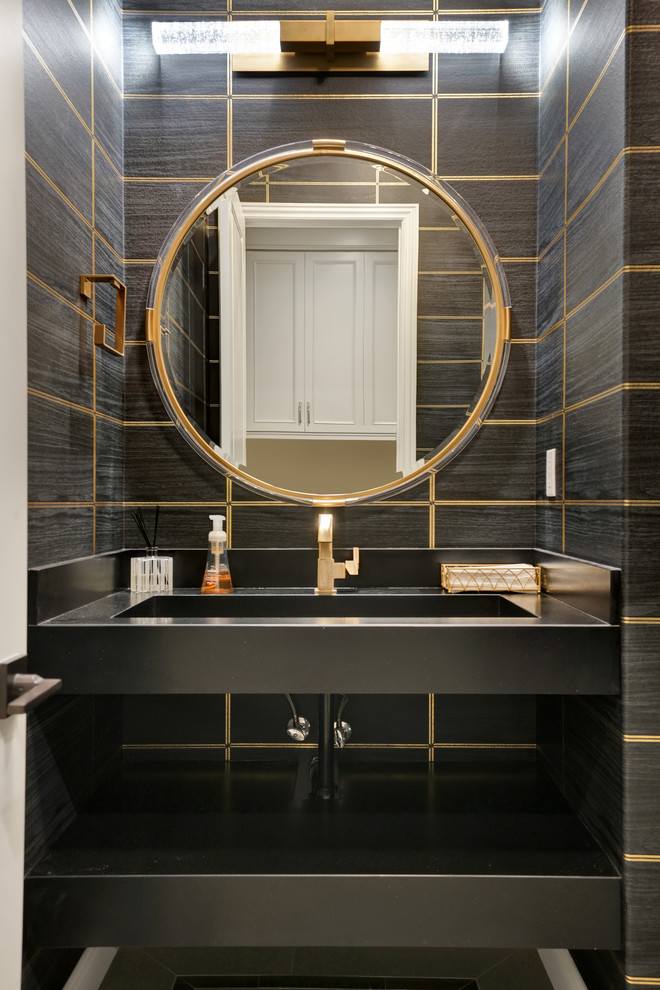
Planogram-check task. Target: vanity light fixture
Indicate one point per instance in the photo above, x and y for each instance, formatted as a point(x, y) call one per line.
point(329, 45)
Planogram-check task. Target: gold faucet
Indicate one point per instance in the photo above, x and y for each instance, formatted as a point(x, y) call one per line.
point(328, 569)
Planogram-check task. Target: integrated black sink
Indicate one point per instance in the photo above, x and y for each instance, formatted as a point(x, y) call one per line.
point(346, 605)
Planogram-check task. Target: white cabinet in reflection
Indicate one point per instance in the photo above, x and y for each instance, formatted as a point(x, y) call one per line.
point(322, 343)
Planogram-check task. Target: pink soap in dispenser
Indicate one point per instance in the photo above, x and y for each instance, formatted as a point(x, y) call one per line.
point(217, 578)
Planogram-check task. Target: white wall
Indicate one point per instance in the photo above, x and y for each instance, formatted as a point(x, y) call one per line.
point(13, 488)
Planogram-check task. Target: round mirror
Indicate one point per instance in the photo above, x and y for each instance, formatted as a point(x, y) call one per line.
point(328, 323)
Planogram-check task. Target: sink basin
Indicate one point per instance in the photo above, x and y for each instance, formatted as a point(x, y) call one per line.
point(346, 605)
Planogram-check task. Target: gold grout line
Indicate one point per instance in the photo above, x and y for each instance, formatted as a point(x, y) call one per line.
point(277, 12)
point(647, 620)
point(56, 84)
point(477, 745)
point(59, 192)
point(60, 505)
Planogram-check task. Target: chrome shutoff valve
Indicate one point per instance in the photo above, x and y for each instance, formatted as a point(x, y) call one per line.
point(343, 733)
point(298, 728)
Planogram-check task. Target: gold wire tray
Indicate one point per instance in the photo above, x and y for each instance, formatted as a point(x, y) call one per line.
point(491, 577)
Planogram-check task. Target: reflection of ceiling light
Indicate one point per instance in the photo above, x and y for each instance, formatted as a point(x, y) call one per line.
point(329, 45)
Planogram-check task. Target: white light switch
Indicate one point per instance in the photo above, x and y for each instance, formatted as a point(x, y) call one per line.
point(551, 472)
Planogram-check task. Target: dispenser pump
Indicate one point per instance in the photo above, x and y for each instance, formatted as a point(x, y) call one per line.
point(217, 577)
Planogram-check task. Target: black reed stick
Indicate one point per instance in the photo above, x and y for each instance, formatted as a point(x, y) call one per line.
point(155, 544)
point(139, 522)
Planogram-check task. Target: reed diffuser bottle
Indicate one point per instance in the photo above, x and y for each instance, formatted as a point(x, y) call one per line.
point(150, 574)
point(217, 577)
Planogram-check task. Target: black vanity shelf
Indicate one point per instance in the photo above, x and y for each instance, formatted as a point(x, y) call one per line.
point(457, 854)
point(87, 629)
point(408, 854)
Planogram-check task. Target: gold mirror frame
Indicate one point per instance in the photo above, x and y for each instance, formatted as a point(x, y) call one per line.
point(376, 156)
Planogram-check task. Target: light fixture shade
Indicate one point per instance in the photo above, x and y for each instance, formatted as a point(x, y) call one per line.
point(446, 37)
point(215, 37)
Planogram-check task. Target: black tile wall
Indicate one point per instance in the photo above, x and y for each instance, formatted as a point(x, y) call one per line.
point(609, 377)
point(175, 124)
point(75, 226)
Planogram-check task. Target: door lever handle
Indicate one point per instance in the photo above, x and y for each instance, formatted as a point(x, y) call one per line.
point(20, 692)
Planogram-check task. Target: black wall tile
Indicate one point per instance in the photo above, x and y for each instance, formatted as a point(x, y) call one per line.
point(551, 199)
point(641, 678)
point(593, 773)
point(162, 141)
point(594, 467)
point(598, 135)
point(169, 719)
point(108, 37)
point(108, 202)
point(485, 719)
point(161, 467)
point(59, 534)
point(59, 243)
point(514, 71)
point(498, 464)
point(552, 112)
point(642, 235)
point(508, 211)
point(151, 208)
point(67, 163)
point(484, 525)
point(554, 35)
point(146, 73)
point(641, 302)
point(377, 525)
point(258, 125)
point(594, 345)
point(642, 921)
point(600, 222)
point(521, 279)
point(595, 532)
point(592, 41)
point(550, 298)
point(108, 115)
point(60, 452)
point(642, 800)
point(550, 373)
point(63, 44)
point(641, 575)
point(517, 397)
point(487, 136)
point(60, 350)
point(109, 461)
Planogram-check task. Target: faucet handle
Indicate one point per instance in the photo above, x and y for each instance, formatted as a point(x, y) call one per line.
point(353, 566)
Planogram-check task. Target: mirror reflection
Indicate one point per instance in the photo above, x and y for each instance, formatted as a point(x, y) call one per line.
point(328, 325)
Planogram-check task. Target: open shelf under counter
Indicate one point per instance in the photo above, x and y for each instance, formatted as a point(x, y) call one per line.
point(410, 854)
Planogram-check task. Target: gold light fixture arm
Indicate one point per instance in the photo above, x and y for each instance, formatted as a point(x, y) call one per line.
point(330, 45)
point(100, 329)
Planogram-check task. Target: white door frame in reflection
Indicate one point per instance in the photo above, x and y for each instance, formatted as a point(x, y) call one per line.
point(404, 218)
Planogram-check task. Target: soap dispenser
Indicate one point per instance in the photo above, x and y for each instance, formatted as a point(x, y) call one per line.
point(217, 578)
